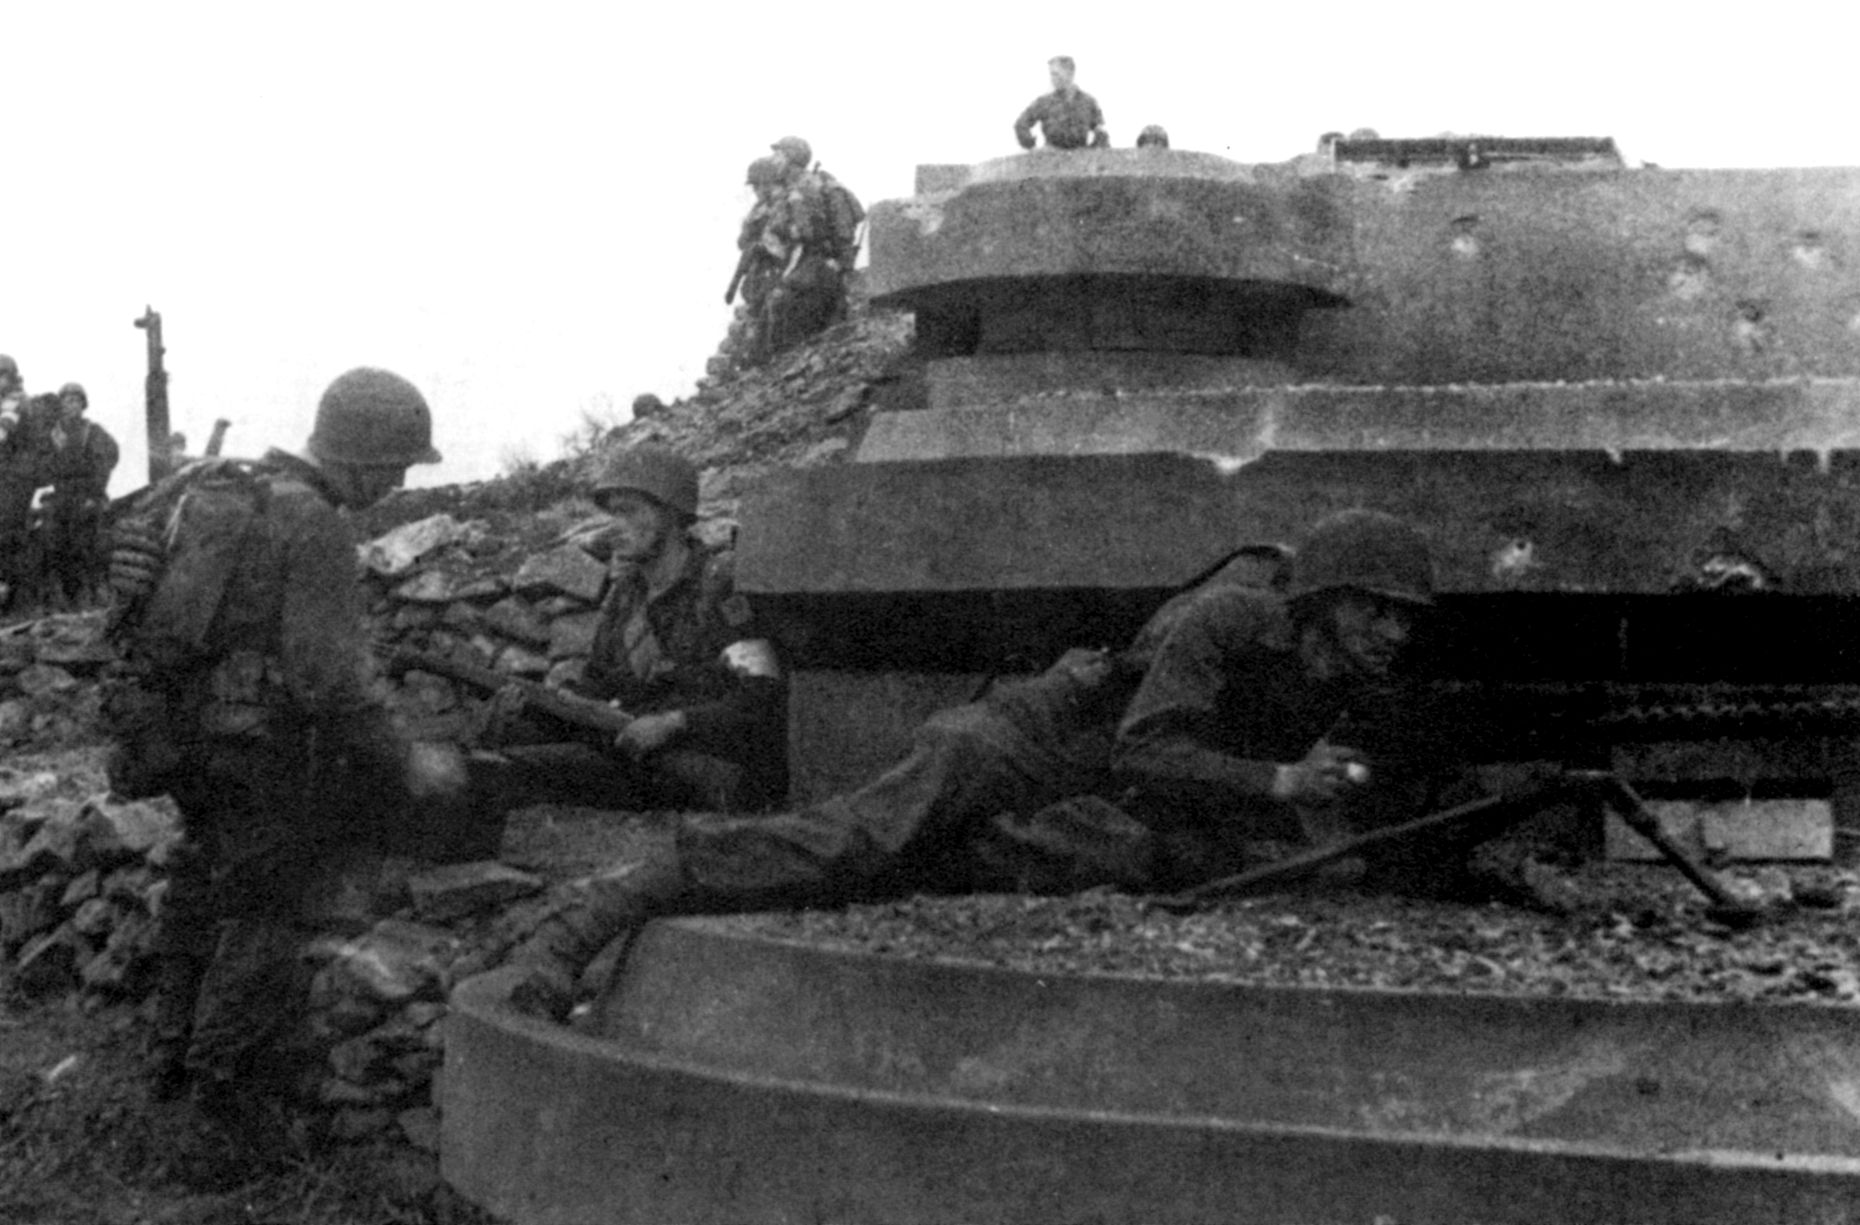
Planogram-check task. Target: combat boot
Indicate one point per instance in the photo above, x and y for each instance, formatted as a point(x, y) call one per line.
point(589, 915)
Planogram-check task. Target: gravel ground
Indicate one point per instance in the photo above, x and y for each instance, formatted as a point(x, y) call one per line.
point(1641, 932)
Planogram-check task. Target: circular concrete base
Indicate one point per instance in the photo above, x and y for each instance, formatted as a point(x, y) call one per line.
point(731, 1078)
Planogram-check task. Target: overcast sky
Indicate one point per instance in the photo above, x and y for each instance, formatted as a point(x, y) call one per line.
point(531, 210)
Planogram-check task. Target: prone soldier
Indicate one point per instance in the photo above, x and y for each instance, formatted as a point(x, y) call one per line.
point(246, 696)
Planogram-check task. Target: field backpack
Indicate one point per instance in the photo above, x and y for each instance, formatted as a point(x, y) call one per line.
point(845, 216)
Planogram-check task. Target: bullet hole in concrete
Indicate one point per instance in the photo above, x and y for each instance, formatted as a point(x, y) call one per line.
point(1811, 251)
point(1514, 559)
point(1748, 327)
point(1690, 277)
point(1462, 237)
point(1703, 227)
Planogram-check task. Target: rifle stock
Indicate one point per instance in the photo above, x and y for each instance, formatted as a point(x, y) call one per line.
point(563, 707)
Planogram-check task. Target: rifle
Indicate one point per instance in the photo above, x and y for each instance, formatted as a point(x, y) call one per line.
point(155, 397)
point(563, 707)
point(1479, 821)
point(742, 270)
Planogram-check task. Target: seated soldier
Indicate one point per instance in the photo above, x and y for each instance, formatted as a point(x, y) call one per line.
point(677, 649)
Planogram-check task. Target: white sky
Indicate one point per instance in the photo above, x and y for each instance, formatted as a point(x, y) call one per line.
point(531, 210)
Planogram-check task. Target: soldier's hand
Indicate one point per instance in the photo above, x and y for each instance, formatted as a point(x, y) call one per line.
point(502, 714)
point(650, 733)
point(136, 560)
point(435, 770)
point(1326, 772)
point(1088, 667)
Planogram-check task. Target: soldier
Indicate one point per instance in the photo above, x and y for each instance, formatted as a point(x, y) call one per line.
point(678, 649)
point(81, 457)
point(1068, 117)
point(20, 463)
point(791, 286)
point(247, 697)
point(1003, 793)
point(1234, 744)
point(842, 209)
point(1153, 137)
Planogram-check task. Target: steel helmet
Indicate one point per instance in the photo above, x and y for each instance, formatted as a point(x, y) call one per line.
point(74, 389)
point(374, 419)
point(8, 366)
point(767, 171)
point(1369, 551)
point(1155, 135)
point(660, 473)
point(795, 150)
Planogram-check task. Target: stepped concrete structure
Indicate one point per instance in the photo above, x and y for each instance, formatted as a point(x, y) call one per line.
point(1624, 405)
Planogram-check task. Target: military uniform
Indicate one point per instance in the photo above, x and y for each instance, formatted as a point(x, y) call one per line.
point(663, 650)
point(78, 466)
point(24, 422)
point(1011, 792)
point(1067, 118)
point(248, 698)
point(793, 285)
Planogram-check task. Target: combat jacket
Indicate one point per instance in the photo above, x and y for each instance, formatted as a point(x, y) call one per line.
point(79, 461)
point(663, 651)
point(1067, 119)
point(1227, 698)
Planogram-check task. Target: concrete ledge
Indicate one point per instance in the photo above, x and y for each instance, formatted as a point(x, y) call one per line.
point(1244, 422)
point(748, 1081)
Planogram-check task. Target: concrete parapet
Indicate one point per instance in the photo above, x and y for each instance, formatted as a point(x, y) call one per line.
point(737, 1079)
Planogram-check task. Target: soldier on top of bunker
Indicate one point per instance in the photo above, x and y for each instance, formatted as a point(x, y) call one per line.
point(1068, 117)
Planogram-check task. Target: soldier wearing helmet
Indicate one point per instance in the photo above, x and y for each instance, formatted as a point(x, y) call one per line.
point(678, 649)
point(1010, 792)
point(80, 456)
point(790, 262)
point(246, 695)
point(1232, 740)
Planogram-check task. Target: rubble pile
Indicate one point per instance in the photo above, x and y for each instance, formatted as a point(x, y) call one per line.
point(80, 884)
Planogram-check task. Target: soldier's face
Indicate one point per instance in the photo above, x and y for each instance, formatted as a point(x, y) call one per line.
point(1059, 75)
point(640, 527)
point(364, 486)
point(73, 407)
point(1370, 631)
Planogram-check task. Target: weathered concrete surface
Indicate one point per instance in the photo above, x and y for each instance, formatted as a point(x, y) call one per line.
point(1244, 422)
point(1579, 520)
point(1003, 380)
point(743, 1080)
point(1448, 278)
point(1110, 212)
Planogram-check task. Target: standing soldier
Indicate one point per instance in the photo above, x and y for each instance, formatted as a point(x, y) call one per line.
point(678, 649)
point(246, 697)
point(841, 210)
point(19, 480)
point(79, 461)
point(1068, 117)
point(791, 282)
